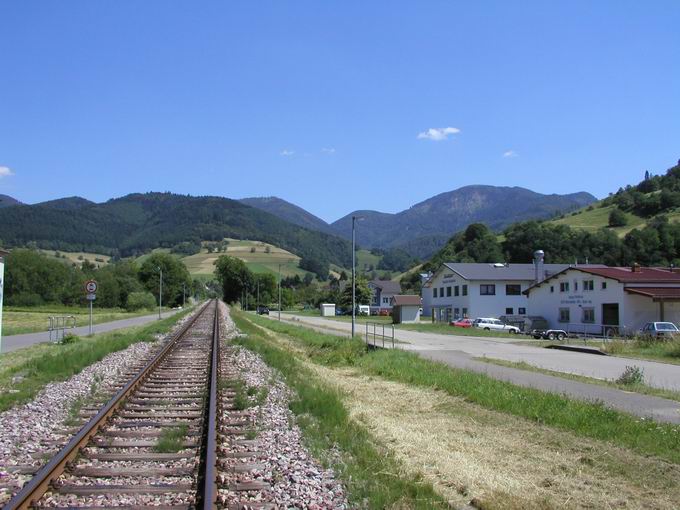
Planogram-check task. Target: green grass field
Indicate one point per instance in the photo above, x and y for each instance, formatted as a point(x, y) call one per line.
point(258, 261)
point(598, 218)
point(77, 257)
point(17, 320)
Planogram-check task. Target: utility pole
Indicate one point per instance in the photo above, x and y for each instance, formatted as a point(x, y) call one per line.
point(184, 295)
point(258, 295)
point(160, 292)
point(354, 276)
point(279, 292)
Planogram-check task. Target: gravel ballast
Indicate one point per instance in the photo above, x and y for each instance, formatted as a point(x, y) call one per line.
point(296, 479)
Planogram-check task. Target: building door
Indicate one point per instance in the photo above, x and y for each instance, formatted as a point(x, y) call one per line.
point(610, 314)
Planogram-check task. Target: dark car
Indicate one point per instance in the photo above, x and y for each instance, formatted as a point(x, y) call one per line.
point(262, 310)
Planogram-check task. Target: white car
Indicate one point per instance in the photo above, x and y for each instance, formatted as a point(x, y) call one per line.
point(490, 324)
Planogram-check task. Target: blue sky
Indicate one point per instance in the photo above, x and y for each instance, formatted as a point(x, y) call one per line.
point(323, 103)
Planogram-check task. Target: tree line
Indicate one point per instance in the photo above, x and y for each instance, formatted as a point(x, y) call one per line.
point(32, 278)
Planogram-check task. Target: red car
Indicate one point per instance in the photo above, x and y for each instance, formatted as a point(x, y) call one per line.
point(462, 323)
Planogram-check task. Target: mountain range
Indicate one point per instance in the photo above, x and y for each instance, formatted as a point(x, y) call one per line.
point(430, 223)
point(138, 222)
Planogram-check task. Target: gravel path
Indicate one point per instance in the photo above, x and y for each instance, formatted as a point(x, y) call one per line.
point(297, 480)
point(29, 430)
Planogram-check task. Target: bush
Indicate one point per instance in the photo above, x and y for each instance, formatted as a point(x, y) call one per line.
point(631, 376)
point(69, 338)
point(617, 218)
point(140, 301)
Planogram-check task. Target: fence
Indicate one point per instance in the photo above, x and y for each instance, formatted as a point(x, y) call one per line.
point(376, 332)
point(59, 324)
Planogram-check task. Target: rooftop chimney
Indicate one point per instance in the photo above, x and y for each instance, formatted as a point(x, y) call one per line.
point(539, 272)
point(635, 268)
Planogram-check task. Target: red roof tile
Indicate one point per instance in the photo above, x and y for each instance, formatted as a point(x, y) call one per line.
point(408, 300)
point(627, 275)
point(656, 292)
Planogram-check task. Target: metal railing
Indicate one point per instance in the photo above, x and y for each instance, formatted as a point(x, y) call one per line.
point(377, 333)
point(59, 324)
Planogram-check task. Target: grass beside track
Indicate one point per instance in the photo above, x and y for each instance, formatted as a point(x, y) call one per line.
point(23, 373)
point(19, 320)
point(587, 419)
point(374, 478)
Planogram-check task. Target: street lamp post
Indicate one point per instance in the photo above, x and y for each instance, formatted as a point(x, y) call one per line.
point(160, 292)
point(354, 275)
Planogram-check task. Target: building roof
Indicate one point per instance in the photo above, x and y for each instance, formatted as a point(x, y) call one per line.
point(387, 286)
point(486, 271)
point(656, 293)
point(624, 275)
point(641, 275)
point(406, 299)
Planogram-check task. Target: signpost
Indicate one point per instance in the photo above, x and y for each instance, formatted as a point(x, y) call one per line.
point(2, 283)
point(91, 289)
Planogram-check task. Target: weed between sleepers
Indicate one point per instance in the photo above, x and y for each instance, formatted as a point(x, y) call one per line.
point(171, 439)
point(587, 419)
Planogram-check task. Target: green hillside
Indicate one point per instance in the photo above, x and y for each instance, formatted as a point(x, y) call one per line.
point(595, 217)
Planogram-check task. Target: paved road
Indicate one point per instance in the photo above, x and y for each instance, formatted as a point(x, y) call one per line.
point(459, 352)
point(14, 342)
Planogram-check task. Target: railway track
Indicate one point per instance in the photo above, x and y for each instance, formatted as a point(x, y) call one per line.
point(154, 443)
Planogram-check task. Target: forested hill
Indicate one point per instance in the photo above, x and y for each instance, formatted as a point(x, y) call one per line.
point(6, 201)
point(452, 211)
point(138, 222)
point(289, 212)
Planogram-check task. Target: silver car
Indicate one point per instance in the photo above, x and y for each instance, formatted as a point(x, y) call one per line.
point(490, 324)
point(659, 329)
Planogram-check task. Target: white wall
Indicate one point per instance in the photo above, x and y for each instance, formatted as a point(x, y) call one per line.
point(476, 304)
point(409, 314)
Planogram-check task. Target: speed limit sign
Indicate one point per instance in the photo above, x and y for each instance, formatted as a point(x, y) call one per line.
point(91, 286)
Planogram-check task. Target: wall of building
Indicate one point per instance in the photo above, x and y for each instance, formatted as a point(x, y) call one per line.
point(546, 303)
point(408, 314)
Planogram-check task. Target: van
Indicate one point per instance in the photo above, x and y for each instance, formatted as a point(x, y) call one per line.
point(363, 310)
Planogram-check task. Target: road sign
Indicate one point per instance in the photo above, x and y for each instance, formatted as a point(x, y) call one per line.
point(91, 286)
point(91, 297)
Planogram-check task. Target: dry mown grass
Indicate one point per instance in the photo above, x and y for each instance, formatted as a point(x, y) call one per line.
point(499, 461)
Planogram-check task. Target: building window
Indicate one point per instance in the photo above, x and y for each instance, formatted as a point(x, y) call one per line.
point(588, 315)
point(521, 311)
point(441, 291)
point(575, 285)
point(386, 300)
point(552, 289)
point(456, 313)
point(564, 315)
point(464, 292)
point(448, 291)
point(508, 311)
point(434, 292)
point(564, 286)
point(487, 290)
point(604, 285)
point(588, 285)
point(464, 312)
point(456, 291)
point(513, 290)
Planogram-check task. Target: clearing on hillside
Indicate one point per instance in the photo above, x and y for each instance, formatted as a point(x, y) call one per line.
point(77, 257)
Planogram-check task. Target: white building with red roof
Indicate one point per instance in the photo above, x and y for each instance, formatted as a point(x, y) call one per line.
point(601, 300)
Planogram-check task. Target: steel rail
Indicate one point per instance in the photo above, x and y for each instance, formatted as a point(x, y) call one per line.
point(39, 484)
point(209, 480)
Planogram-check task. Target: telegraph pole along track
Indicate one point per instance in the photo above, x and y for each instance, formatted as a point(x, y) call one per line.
point(155, 442)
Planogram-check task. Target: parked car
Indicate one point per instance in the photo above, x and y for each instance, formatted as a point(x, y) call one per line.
point(660, 330)
point(262, 310)
point(549, 334)
point(462, 323)
point(363, 310)
point(490, 324)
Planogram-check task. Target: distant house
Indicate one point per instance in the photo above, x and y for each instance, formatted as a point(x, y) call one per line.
point(607, 300)
point(382, 293)
point(405, 309)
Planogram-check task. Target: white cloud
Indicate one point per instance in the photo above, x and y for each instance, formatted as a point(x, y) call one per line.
point(286, 152)
point(328, 150)
point(5, 171)
point(438, 134)
point(510, 154)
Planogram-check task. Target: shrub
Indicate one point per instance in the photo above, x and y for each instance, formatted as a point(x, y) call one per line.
point(69, 338)
point(140, 301)
point(631, 376)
